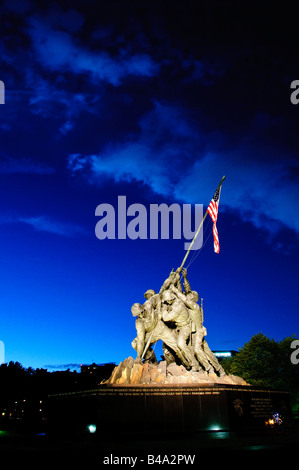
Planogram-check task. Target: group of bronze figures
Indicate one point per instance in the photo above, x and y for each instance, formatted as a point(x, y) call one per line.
point(174, 316)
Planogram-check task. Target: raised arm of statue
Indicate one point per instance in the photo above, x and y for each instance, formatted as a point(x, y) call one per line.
point(173, 278)
point(186, 284)
point(187, 301)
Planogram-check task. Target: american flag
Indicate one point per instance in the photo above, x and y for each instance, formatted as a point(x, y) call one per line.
point(213, 211)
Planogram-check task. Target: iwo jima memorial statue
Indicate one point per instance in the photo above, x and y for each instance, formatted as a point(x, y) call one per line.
point(188, 391)
point(174, 316)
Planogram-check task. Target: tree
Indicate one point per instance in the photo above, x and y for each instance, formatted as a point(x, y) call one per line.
point(264, 362)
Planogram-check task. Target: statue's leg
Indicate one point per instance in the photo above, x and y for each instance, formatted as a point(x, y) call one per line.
point(168, 354)
point(213, 359)
point(186, 350)
point(170, 339)
point(150, 356)
point(200, 353)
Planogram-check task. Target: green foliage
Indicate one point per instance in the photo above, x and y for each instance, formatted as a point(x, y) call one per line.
point(264, 362)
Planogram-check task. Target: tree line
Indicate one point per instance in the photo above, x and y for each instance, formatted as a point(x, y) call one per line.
point(261, 362)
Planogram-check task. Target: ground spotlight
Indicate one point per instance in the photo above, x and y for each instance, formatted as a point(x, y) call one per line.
point(92, 428)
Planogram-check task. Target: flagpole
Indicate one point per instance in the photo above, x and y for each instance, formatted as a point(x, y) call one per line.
point(183, 262)
point(198, 230)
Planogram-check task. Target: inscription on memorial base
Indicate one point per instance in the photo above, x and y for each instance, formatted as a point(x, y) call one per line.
point(167, 408)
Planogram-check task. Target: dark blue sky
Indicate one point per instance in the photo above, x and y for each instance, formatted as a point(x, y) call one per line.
point(155, 101)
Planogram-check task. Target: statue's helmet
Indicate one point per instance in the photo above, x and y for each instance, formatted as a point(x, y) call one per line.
point(168, 295)
point(195, 296)
point(149, 293)
point(136, 309)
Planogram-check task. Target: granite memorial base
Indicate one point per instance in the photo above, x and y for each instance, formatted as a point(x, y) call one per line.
point(117, 409)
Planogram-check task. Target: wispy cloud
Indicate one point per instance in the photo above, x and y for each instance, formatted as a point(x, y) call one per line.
point(167, 138)
point(10, 165)
point(46, 98)
point(44, 223)
point(57, 50)
point(71, 366)
point(66, 127)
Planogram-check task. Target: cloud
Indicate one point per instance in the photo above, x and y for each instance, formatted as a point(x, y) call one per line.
point(56, 100)
point(179, 153)
point(177, 158)
point(44, 223)
point(57, 50)
point(66, 127)
point(5, 127)
point(167, 137)
point(259, 190)
point(61, 66)
point(71, 366)
point(10, 165)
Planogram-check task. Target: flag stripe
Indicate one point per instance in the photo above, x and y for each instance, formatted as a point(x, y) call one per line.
point(213, 211)
point(216, 239)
